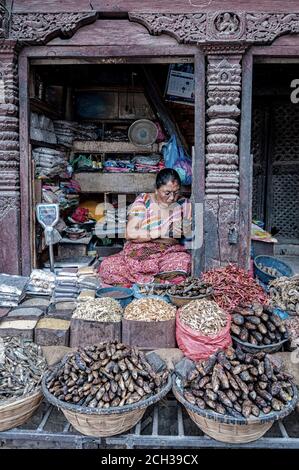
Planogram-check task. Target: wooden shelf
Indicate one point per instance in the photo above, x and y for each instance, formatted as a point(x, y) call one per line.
point(122, 183)
point(48, 145)
point(113, 147)
point(38, 106)
point(119, 183)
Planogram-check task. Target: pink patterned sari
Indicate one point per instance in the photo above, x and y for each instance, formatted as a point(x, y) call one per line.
point(140, 262)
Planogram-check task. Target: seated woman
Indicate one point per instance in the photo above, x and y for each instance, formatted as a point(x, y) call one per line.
point(157, 224)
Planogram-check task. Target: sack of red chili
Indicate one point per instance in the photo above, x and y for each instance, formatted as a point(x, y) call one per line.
point(234, 286)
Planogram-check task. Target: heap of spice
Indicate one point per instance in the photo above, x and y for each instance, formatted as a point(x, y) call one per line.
point(238, 384)
point(104, 309)
point(148, 309)
point(205, 316)
point(284, 293)
point(233, 286)
point(258, 325)
point(106, 375)
point(21, 367)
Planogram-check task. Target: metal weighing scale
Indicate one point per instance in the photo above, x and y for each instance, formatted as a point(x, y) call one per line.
point(48, 216)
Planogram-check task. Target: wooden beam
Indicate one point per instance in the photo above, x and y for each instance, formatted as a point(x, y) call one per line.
point(25, 168)
point(245, 163)
point(113, 147)
point(198, 166)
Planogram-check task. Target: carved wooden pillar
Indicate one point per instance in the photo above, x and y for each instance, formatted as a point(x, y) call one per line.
point(9, 160)
point(222, 160)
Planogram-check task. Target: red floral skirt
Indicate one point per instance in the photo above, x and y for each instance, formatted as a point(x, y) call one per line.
point(140, 262)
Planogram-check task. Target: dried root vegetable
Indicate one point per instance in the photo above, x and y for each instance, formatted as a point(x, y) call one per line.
point(205, 316)
point(258, 325)
point(21, 367)
point(284, 293)
point(238, 384)
point(106, 375)
point(104, 309)
point(148, 309)
point(191, 287)
point(234, 286)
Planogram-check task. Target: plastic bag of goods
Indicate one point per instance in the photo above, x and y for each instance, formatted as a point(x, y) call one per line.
point(202, 328)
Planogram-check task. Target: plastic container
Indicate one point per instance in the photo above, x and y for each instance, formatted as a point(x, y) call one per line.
point(124, 295)
point(283, 268)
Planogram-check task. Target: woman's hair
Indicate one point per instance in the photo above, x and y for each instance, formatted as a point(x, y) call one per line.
point(166, 175)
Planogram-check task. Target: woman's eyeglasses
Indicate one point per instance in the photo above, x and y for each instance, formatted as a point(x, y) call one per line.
point(169, 193)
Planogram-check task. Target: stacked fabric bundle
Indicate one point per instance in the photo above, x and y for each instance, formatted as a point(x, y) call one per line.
point(65, 132)
point(88, 278)
point(86, 132)
point(41, 283)
point(66, 195)
point(66, 285)
point(148, 163)
point(116, 165)
point(12, 289)
point(42, 129)
point(49, 162)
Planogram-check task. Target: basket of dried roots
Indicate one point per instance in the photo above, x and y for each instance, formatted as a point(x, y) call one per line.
point(235, 396)
point(104, 389)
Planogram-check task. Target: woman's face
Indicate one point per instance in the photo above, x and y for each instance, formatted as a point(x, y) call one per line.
point(168, 193)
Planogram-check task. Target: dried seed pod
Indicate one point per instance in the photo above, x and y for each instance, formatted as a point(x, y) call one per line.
point(211, 395)
point(262, 329)
point(245, 376)
point(223, 398)
point(237, 319)
point(250, 326)
point(265, 317)
point(200, 403)
point(222, 359)
point(223, 377)
point(246, 408)
point(235, 329)
point(220, 409)
point(253, 319)
point(243, 334)
point(267, 410)
point(252, 340)
point(204, 381)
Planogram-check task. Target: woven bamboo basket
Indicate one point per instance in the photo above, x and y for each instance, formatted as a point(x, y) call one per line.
point(17, 412)
point(226, 428)
point(99, 422)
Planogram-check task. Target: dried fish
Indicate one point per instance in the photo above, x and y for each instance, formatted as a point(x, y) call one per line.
point(21, 368)
point(103, 309)
point(205, 316)
point(149, 309)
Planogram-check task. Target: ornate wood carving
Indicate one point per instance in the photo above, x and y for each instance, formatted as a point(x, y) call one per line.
point(223, 91)
point(9, 160)
point(221, 26)
point(39, 28)
point(265, 27)
point(9, 119)
point(4, 15)
point(187, 28)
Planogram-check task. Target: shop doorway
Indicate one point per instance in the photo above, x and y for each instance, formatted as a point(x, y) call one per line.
point(104, 100)
point(275, 149)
